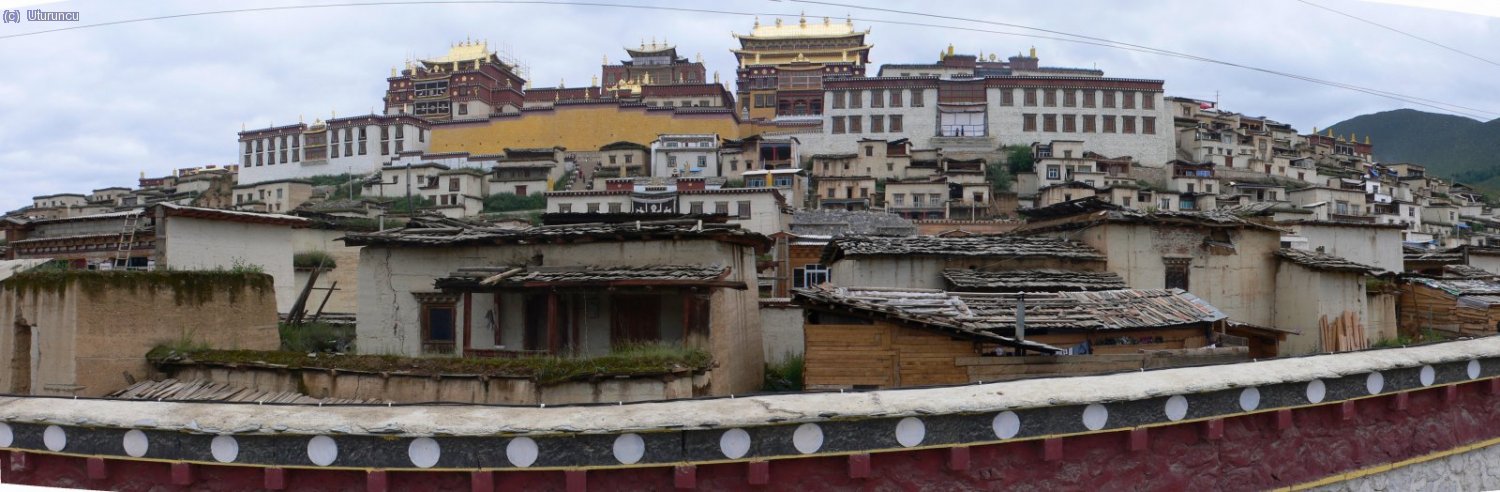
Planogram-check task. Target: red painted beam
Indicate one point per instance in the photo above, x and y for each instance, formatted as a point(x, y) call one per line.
point(1400, 401)
point(577, 480)
point(482, 481)
point(1347, 411)
point(274, 479)
point(1213, 429)
point(1052, 449)
point(758, 472)
point(97, 469)
point(958, 458)
point(1139, 440)
point(376, 481)
point(182, 473)
point(859, 465)
point(685, 477)
point(1284, 419)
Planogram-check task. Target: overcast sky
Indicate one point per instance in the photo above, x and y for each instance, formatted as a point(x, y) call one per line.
point(91, 108)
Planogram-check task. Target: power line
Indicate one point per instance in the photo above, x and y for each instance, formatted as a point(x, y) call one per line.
point(1430, 103)
point(1404, 33)
point(1065, 36)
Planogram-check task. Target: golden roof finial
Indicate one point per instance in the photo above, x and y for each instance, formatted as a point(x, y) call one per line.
point(716, 80)
point(1330, 132)
point(1353, 138)
point(393, 70)
point(1033, 52)
point(604, 59)
point(1367, 140)
point(242, 126)
point(643, 43)
point(333, 113)
point(848, 19)
point(653, 41)
point(699, 57)
point(950, 49)
point(299, 118)
point(757, 21)
point(561, 83)
point(1315, 130)
point(778, 22)
point(827, 21)
point(802, 19)
point(594, 81)
point(992, 57)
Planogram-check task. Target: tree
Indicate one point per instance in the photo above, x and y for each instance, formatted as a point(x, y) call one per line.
point(1018, 158)
point(999, 177)
point(511, 202)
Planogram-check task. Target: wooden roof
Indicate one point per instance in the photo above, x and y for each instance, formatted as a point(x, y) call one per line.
point(498, 277)
point(1004, 246)
point(421, 234)
point(1317, 260)
point(992, 316)
point(1032, 280)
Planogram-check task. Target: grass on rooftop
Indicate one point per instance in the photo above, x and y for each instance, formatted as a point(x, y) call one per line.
point(641, 359)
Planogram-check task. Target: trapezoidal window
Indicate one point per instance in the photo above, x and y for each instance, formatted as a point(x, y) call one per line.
point(1176, 273)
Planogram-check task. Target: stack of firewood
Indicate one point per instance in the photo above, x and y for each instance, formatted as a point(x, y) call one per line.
point(1344, 333)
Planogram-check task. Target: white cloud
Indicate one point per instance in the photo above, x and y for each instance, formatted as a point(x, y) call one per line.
point(90, 108)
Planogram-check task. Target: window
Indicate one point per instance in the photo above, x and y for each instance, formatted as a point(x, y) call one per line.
point(961, 124)
point(856, 99)
point(1148, 100)
point(1007, 97)
point(869, 150)
point(899, 199)
point(1049, 122)
point(1070, 98)
point(814, 275)
point(1028, 122)
point(877, 98)
point(1070, 123)
point(614, 208)
point(916, 98)
point(1049, 97)
point(744, 209)
point(896, 123)
point(896, 98)
point(916, 199)
point(1054, 172)
point(1129, 124)
point(438, 334)
point(1030, 96)
point(855, 124)
point(1088, 98)
point(838, 99)
point(612, 159)
point(628, 158)
point(520, 190)
point(695, 208)
point(937, 199)
point(1148, 124)
point(1109, 99)
point(721, 208)
point(452, 184)
point(877, 123)
point(463, 108)
point(838, 125)
point(361, 147)
point(1109, 123)
point(702, 161)
point(593, 208)
point(1088, 123)
point(1176, 273)
point(566, 208)
point(1129, 100)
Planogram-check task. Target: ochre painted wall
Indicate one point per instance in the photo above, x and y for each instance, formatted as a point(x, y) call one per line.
point(576, 128)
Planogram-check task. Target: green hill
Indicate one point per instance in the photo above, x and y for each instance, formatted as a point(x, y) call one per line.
point(1450, 146)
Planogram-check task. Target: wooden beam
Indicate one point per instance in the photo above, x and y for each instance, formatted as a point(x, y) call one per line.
point(468, 306)
point(554, 337)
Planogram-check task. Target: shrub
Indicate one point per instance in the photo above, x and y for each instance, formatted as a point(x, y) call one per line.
point(316, 337)
point(511, 202)
point(785, 375)
point(313, 259)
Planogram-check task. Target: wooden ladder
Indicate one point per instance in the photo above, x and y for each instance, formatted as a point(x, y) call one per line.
point(127, 239)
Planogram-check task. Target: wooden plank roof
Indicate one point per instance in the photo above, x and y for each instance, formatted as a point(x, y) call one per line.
point(1004, 246)
point(1318, 260)
point(992, 316)
point(490, 277)
point(1032, 280)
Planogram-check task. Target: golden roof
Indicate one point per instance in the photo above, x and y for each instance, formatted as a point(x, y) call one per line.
point(802, 29)
point(465, 51)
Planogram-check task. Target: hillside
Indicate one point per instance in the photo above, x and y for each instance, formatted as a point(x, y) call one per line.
point(1450, 146)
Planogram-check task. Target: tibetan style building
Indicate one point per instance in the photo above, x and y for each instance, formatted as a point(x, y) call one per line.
point(782, 66)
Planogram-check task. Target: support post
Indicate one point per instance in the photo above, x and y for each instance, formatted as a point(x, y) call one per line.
point(468, 312)
point(554, 337)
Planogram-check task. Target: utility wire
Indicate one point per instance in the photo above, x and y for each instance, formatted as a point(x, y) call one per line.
point(1061, 35)
point(1404, 33)
point(1439, 105)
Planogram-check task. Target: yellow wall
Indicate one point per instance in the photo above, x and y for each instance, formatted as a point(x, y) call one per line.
point(577, 128)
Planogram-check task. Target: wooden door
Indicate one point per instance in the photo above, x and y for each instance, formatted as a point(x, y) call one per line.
point(635, 318)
